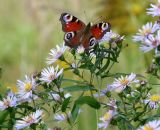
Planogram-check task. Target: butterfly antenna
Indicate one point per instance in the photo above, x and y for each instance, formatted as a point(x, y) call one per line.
point(100, 18)
point(86, 19)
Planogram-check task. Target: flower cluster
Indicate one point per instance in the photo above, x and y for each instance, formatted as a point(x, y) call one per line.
point(10, 101)
point(149, 35)
point(26, 121)
point(27, 92)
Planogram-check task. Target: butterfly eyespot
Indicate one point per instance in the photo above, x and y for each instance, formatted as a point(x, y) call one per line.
point(104, 26)
point(68, 17)
point(69, 35)
point(92, 42)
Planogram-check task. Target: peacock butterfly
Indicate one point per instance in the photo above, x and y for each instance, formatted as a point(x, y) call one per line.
point(77, 33)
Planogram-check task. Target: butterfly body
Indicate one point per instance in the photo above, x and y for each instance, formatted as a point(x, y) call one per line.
point(77, 33)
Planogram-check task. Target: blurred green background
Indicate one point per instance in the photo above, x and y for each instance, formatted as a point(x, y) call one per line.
point(30, 28)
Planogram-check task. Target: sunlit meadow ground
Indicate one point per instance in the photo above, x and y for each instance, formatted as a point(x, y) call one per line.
point(30, 28)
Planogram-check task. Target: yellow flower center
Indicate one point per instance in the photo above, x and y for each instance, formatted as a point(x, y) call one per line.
point(124, 82)
point(107, 116)
point(146, 31)
point(28, 86)
point(155, 98)
point(29, 120)
point(147, 127)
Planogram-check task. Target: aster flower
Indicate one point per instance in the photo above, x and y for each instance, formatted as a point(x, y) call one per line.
point(33, 118)
point(101, 94)
point(146, 31)
point(9, 101)
point(50, 74)
point(74, 65)
point(153, 101)
point(55, 54)
point(155, 9)
point(57, 97)
point(106, 119)
point(25, 89)
point(80, 49)
point(150, 43)
point(62, 117)
point(112, 104)
point(67, 95)
point(152, 125)
point(121, 83)
point(108, 36)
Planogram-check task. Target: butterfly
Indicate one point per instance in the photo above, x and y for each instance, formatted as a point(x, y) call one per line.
point(78, 33)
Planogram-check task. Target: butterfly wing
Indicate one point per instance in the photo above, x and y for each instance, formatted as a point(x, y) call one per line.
point(98, 30)
point(93, 34)
point(73, 28)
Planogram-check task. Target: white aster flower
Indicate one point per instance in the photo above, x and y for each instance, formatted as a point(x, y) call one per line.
point(109, 36)
point(106, 119)
point(33, 118)
point(155, 9)
point(152, 125)
point(49, 74)
point(112, 104)
point(151, 42)
point(57, 97)
point(146, 31)
point(74, 65)
point(55, 54)
point(25, 89)
point(153, 101)
point(121, 83)
point(67, 95)
point(9, 101)
point(101, 94)
point(62, 117)
point(80, 49)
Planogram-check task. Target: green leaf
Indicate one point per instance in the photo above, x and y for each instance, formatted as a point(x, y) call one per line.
point(92, 102)
point(121, 125)
point(71, 80)
point(65, 104)
point(158, 110)
point(75, 88)
point(3, 116)
point(74, 112)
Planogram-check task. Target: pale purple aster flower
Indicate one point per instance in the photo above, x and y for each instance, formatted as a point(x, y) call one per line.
point(50, 74)
point(106, 119)
point(121, 83)
point(62, 117)
point(151, 43)
point(108, 36)
point(55, 54)
point(146, 31)
point(152, 125)
point(25, 89)
point(154, 10)
point(26, 121)
point(153, 101)
point(9, 101)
